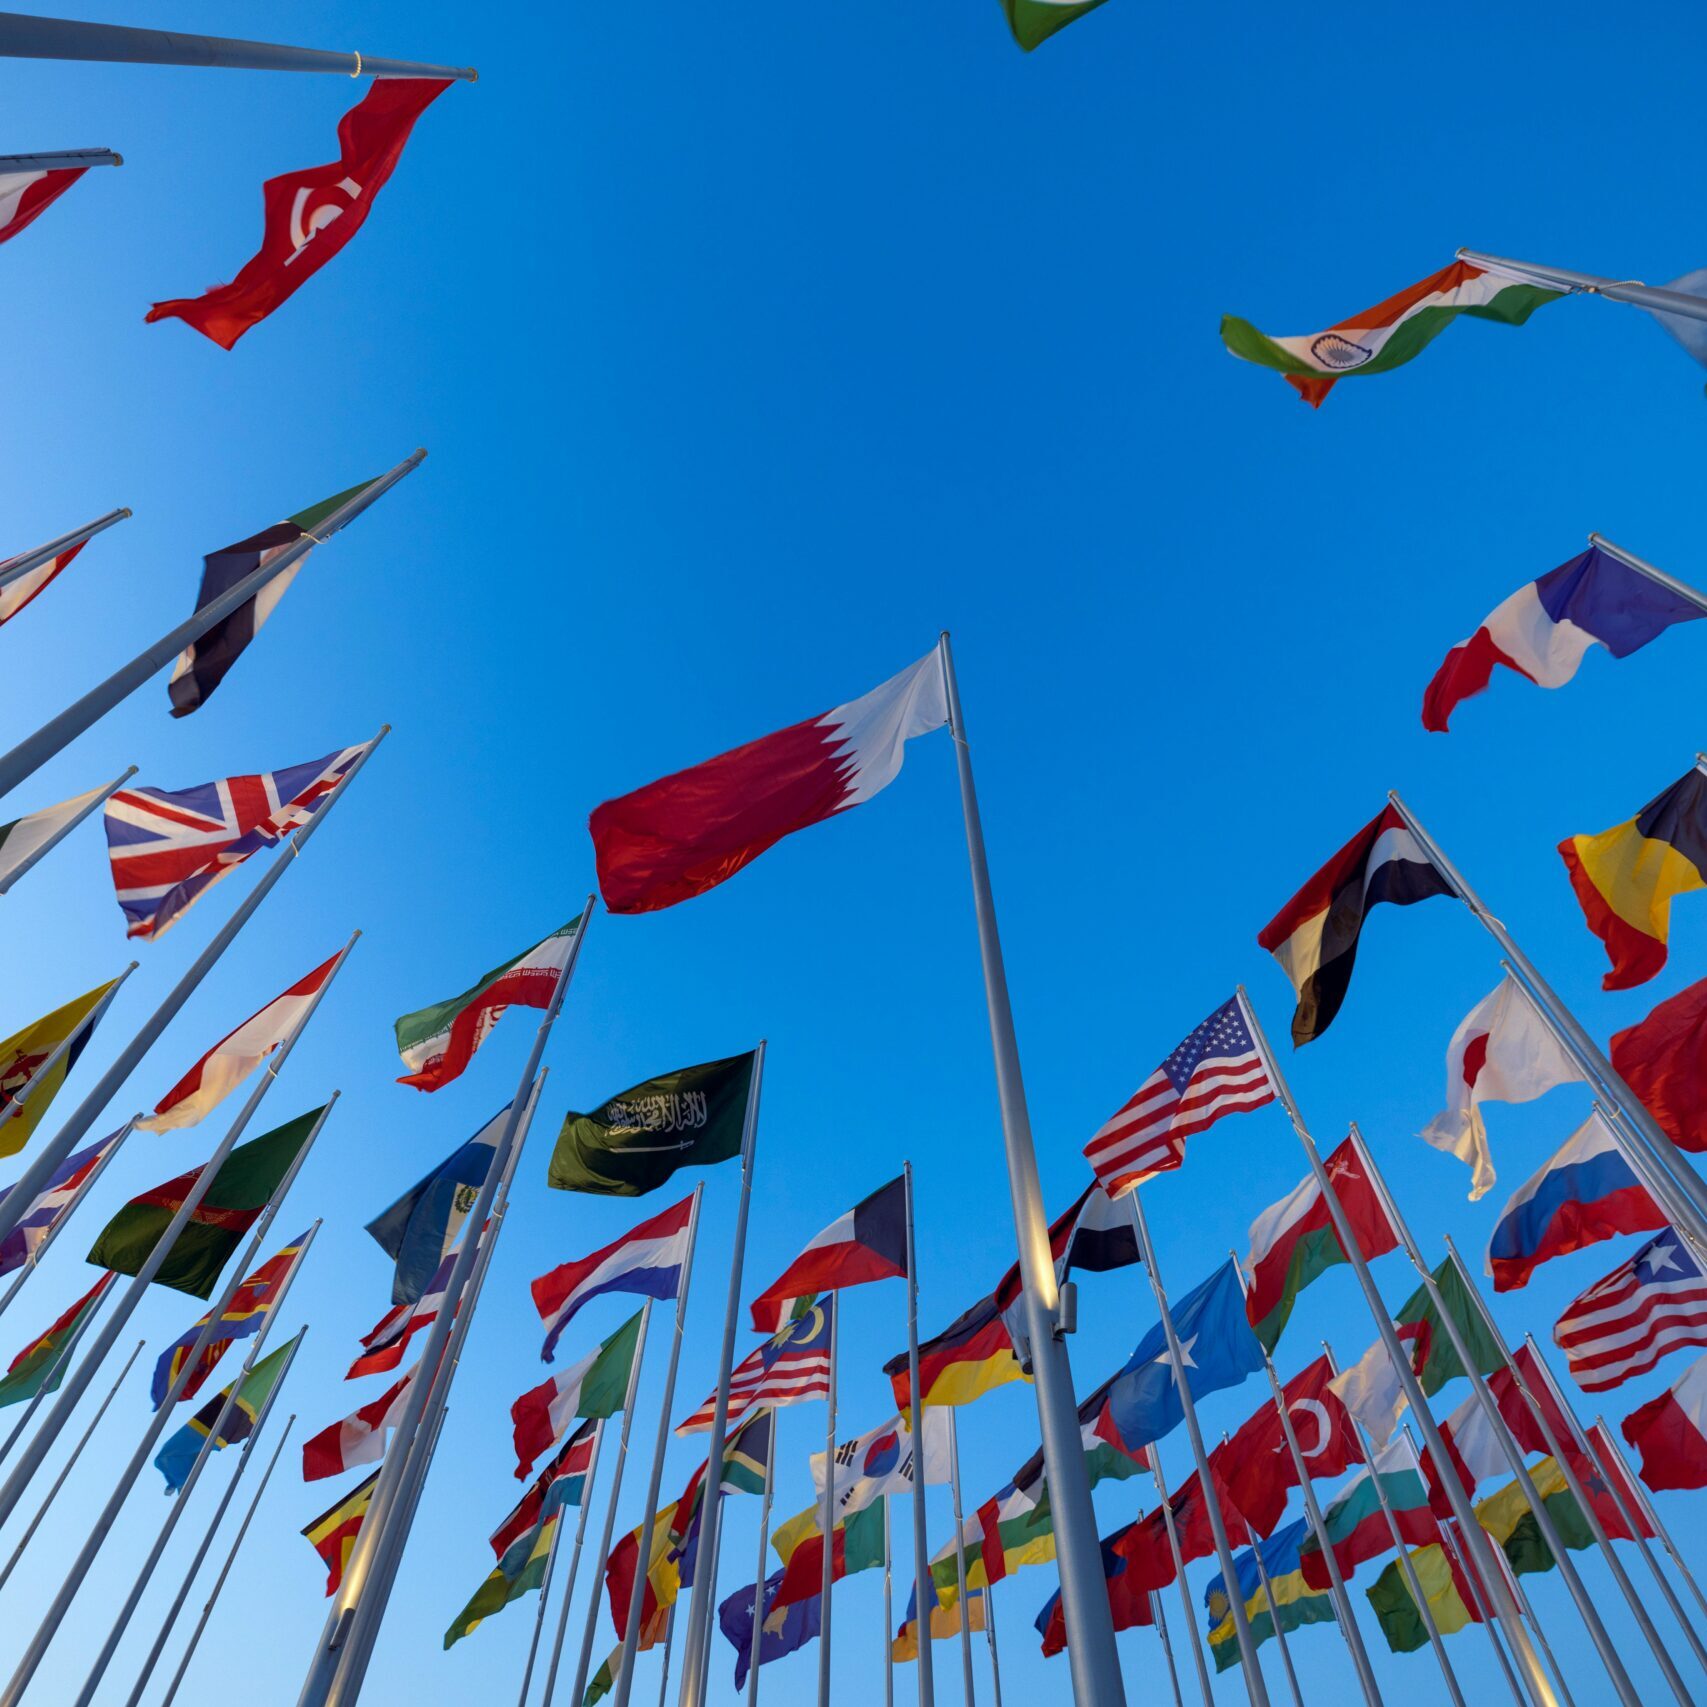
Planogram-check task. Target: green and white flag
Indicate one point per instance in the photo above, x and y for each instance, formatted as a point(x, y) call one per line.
point(597, 1386)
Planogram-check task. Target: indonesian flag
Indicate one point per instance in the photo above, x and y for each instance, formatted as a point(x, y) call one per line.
point(311, 214)
point(686, 833)
point(360, 1438)
point(23, 195)
point(16, 594)
point(231, 1060)
point(1670, 1432)
point(1503, 1051)
point(383, 1347)
point(868, 1243)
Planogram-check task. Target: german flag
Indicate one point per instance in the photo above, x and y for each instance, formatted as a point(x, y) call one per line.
point(333, 1533)
point(969, 1357)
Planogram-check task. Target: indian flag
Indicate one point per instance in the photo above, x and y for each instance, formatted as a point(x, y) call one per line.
point(1034, 21)
point(1392, 332)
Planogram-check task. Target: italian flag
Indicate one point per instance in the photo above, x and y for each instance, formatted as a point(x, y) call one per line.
point(1392, 332)
point(597, 1386)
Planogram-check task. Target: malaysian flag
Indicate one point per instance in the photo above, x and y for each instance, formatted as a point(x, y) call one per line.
point(167, 849)
point(1217, 1070)
point(1623, 1325)
point(793, 1364)
point(26, 1239)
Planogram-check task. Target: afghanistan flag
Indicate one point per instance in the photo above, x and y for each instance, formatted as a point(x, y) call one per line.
point(500, 1589)
point(333, 1533)
point(175, 1459)
point(28, 1084)
point(37, 1368)
point(972, 1355)
point(634, 1142)
point(230, 1207)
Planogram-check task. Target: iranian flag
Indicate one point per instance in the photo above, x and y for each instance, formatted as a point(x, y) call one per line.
point(437, 1042)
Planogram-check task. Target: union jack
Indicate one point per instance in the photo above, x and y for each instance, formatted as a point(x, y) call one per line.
point(793, 1364)
point(168, 848)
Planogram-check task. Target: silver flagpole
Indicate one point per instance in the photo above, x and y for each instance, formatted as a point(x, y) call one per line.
point(27, 37)
point(995, 1658)
point(59, 732)
point(1159, 1619)
point(888, 1613)
point(30, 561)
point(962, 1604)
point(50, 1381)
point(1632, 291)
point(1613, 1453)
point(759, 1579)
point(1535, 1681)
point(1642, 567)
point(85, 1029)
point(669, 1640)
point(1484, 1612)
point(924, 1584)
point(1520, 1594)
point(96, 801)
point(702, 1608)
point(539, 1611)
point(1273, 1618)
point(30, 1184)
point(1179, 1574)
point(1255, 1687)
point(574, 1560)
point(827, 1513)
point(1091, 1652)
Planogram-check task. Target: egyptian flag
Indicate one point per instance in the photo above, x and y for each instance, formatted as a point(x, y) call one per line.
point(16, 594)
point(972, 1355)
point(1315, 935)
point(1663, 1059)
point(333, 1533)
point(25, 194)
point(1670, 1432)
point(868, 1243)
point(686, 833)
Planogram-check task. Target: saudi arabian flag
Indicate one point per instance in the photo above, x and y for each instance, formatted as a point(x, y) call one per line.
point(1034, 21)
point(1433, 1358)
point(498, 1590)
point(1396, 1611)
point(24, 838)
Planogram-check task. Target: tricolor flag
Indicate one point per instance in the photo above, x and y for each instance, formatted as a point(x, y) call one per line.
point(563, 1482)
point(1670, 1432)
point(180, 1451)
point(972, 1355)
point(333, 1533)
point(501, 1586)
point(792, 1365)
point(1356, 1525)
point(669, 1560)
point(26, 1239)
point(882, 1461)
point(1452, 1602)
point(34, 1063)
point(1094, 1234)
point(37, 1367)
point(25, 193)
point(24, 838)
point(361, 1436)
point(384, 1344)
point(1645, 1309)
point(868, 1243)
point(1288, 1600)
point(595, 1387)
point(1663, 1059)
point(945, 1621)
point(686, 833)
point(856, 1545)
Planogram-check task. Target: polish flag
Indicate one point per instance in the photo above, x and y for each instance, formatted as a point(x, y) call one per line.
point(360, 1438)
point(231, 1060)
point(686, 833)
point(1670, 1432)
point(868, 1243)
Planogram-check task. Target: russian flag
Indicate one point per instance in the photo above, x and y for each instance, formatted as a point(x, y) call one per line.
point(1670, 1432)
point(1545, 627)
point(1586, 1193)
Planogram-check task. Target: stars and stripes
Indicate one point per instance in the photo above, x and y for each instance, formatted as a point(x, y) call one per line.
point(1642, 1311)
point(792, 1365)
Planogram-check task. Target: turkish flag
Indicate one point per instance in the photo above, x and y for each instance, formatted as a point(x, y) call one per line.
point(313, 213)
point(1663, 1059)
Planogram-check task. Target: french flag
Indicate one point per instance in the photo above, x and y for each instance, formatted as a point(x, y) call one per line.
point(1544, 628)
point(1670, 1432)
point(868, 1243)
point(1586, 1193)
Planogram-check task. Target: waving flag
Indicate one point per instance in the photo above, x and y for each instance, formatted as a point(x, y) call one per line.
point(746, 1455)
point(501, 1586)
point(792, 1365)
point(882, 1461)
point(1663, 1059)
point(23, 590)
point(385, 1343)
point(1128, 1598)
point(27, 1238)
point(28, 1065)
point(1145, 1545)
point(1451, 1600)
point(1094, 1235)
point(24, 838)
point(868, 1243)
point(782, 1629)
point(1357, 1527)
point(24, 194)
point(969, 1358)
point(856, 1545)
point(1670, 1432)
point(181, 1449)
point(563, 1482)
point(37, 1367)
point(360, 1437)
point(1035, 21)
point(945, 1622)
point(333, 1533)
point(595, 1387)
point(1645, 1309)
point(167, 850)
point(1289, 1600)
point(669, 1559)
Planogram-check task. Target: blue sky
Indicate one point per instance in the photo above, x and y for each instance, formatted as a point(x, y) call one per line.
point(748, 358)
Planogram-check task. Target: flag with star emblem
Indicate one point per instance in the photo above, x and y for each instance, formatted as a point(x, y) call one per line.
point(1645, 1309)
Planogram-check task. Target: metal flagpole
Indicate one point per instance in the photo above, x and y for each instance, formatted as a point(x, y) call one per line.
point(84, 1030)
point(94, 804)
point(1505, 1605)
point(50, 1381)
point(27, 37)
point(30, 1184)
point(702, 1608)
point(888, 1612)
point(574, 1561)
point(539, 1611)
point(827, 1512)
point(1642, 567)
point(995, 1658)
point(1521, 1595)
point(759, 1577)
point(1615, 1454)
point(18, 567)
point(1313, 1511)
point(1179, 1574)
point(1484, 1613)
point(1273, 1618)
point(59, 732)
point(1591, 284)
point(1091, 1651)
point(924, 1585)
point(1255, 1687)
point(669, 1640)
point(1159, 1619)
point(963, 1605)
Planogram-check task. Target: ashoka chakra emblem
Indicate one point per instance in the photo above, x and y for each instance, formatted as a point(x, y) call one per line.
point(1331, 350)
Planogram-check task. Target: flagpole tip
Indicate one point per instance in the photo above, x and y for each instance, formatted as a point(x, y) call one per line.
point(126, 511)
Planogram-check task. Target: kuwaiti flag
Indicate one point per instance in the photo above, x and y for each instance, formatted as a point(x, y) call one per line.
point(360, 1438)
point(384, 1345)
point(25, 1239)
point(868, 1243)
point(686, 833)
point(1545, 627)
point(231, 1060)
point(1670, 1432)
point(23, 195)
point(647, 1261)
point(16, 594)
point(1392, 332)
point(1502, 1051)
point(882, 1461)
point(595, 1387)
point(1315, 935)
point(1587, 1192)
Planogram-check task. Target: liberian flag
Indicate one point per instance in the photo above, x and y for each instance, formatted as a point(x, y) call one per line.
point(1545, 627)
point(360, 1438)
point(23, 195)
point(16, 594)
point(231, 1060)
point(686, 833)
point(1645, 1309)
point(437, 1042)
point(868, 1243)
point(1392, 332)
point(384, 1345)
point(26, 1239)
point(1315, 935)
point(647, 1261)
point(1670, 1432)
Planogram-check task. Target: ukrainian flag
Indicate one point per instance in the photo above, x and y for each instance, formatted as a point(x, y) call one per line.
point(1294, 1600)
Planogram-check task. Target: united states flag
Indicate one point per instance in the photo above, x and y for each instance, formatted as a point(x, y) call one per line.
point(793, 1364)
point(1217, 1070)
point(167, 849)
point(1623, 1325)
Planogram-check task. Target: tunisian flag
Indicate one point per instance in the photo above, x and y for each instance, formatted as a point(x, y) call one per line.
point(686, 833)
point(312, 213)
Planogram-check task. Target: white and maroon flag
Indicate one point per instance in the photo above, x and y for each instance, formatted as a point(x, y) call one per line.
point(383, 1347)
point(868, 1243)
point(16, 594)
point(23, 195)
point(231, 1060)
point(1645, 1309)
point(360, 1438)
point(686, 833)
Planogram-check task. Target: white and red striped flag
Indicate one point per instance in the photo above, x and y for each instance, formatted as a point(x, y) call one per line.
point(1646, 1308)
point(790, 1366)
point(16, 594)
point(23, 195)
point(360, 1438)
point(383, 1347)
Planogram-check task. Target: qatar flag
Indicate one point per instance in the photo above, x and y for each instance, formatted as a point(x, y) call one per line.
point(1670, 1432)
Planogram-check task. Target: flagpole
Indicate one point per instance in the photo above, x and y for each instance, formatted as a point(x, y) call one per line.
point(60, 731)
point(1179, 1573)
point(1592, 284)
point(99, 799)
point(1273, 1618)
point(1615, 1453)
point(669, 1639)
point(574, 1560)
point(1521, 1595)
point(759, 1577)
point(84, 1028)
point(995, 1658)
point(702, 1608)
point(35, 1176)
point(888, 1614)
point(959, 1549)
point(1484, 1613)
point(1091, 1651)
point(827, 1512)
point(924, 1584)
point(30, 561)
point(56, 1371)
point(539, 1612)
point(1642, 567)
point(1505, 1605)
point(1159, 1619)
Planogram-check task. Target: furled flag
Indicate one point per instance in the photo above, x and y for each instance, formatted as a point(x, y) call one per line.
point(1289, 1598)
point(792, 1365)
point(1128, 1598)
point(28, 1083)
point(25, 193)
point(1294, 1241)
point(241, 1319)
point(422, 1225)
point(168, 849)
point(1356, 1525)
point(501, 1587)
point(311, 213)
point(247, 1178)
point(868, 1243)
point(38, 1367)
point(1094, 1234)
point(360, 1437)
point(945, 1621)
point(333, 1533)
point(857, 1545)
point(595, 1387)
point(1626, 877)
point(1670, 1432)
point(632, 1143)
point(563, 1482)
point(24, 838)
point(1584, 1193)
point(646, 1261)
point(1686, 329)
point(970, 1357)
point(1216, 1070)
point(1645, 1309)
point(384, 1344)
point(783, 1630)
point(1502, 1051)
point(231, 1060)
point(1663, 1059)
point(25, 1240)
point(1392, 332)
point(686, 833)
point(436, 1043)
point(1545, 627)
point(882, 1461)
point(1451, 1600)
point(1315, 935)
point(181, 1449)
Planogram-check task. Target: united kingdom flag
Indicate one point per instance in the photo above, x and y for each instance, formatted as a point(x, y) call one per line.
point(167, 849)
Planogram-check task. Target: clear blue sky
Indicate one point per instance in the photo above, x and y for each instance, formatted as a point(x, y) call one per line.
point(750, 351)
